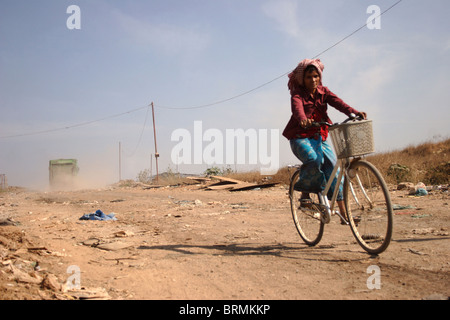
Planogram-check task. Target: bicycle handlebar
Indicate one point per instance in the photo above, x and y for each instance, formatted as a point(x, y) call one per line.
point(350, 118)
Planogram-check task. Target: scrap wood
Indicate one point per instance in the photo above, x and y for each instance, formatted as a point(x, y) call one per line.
point(232, 186)
point(243, 187)
point(200, 179)
point(236, 185)
point(221, 183)
point(240, 186)
point(84, 293)
point(44, 251)
point(224, 183)
point(153, 186)
point(220, 186)
point(229, 180)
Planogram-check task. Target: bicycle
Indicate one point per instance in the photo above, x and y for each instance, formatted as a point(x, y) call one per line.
point(366, 196)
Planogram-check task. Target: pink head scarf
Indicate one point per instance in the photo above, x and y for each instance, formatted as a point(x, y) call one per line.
point(296, 76)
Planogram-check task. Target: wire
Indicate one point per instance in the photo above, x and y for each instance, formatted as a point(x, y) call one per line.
point(73, 126)
point(357, 30)
point(142, 132)
point(279, 77)
point(225, 100)
point(199, 106)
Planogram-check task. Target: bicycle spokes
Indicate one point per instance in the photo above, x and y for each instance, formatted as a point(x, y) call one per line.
point(368, 207)
point(307, 214)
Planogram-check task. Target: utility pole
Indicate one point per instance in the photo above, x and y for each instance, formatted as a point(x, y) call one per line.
point(120, 162)
point(151, 167)
point(156, 147)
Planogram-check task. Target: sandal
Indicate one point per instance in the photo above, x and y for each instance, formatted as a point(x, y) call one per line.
point(306, 203)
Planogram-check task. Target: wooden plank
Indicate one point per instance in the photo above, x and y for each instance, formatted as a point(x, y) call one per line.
point(249, 186)
point(244, 186)
point(227, 179)
point(153, 186)
point(220, 187)
point(198, 178)
point(221, 183)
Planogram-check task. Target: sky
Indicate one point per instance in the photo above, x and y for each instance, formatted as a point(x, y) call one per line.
point(78, 82)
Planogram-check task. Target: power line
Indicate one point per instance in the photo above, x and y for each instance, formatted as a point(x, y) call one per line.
point(225, 100)
point(199, 106)
point(281, 76)
point(72, 126)
point(357, 30)
point(142, 132)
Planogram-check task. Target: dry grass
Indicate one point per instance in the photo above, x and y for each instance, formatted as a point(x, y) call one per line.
point(428, 163)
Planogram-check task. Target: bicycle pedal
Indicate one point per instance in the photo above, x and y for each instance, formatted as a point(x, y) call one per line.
point(306, 206)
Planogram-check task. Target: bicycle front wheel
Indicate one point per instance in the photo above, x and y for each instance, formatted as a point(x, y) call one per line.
point(306, 214)
point(369, 206)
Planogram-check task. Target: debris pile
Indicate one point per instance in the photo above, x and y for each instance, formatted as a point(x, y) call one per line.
point(420, 189)
point(22, 266)
point(225, 183)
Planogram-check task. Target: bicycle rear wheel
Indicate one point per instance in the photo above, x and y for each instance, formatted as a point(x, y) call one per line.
point(369, 206)
point(307, 216)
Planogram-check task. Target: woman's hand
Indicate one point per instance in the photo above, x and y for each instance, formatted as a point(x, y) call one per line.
point(306, 123)
point(362, 115)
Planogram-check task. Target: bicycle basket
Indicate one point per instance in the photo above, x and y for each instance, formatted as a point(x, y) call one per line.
point(352, 139)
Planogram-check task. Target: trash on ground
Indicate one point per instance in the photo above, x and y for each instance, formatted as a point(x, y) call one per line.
point(425, 231)
point(421, 192)
point(88, 293)
point(416, 252)
point(98, 215)
point(402, 207)
point(236, 185)
point(419, 216)
point(9, 222)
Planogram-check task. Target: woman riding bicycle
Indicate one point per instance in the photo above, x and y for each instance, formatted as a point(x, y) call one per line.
point(309, 100)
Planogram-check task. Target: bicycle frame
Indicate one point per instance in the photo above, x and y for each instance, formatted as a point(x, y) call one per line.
point(329, 206)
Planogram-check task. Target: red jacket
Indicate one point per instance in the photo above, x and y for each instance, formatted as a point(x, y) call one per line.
point(306, 107)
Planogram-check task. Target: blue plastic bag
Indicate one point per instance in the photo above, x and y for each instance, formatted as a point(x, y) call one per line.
point(98, 215)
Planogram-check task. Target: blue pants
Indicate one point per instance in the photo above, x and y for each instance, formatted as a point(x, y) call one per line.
point(318, 161)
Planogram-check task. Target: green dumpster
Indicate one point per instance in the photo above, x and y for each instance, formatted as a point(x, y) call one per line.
point(62, 172)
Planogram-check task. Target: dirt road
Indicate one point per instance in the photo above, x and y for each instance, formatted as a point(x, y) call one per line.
point(189, 243)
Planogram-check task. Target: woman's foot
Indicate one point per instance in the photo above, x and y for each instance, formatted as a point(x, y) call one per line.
point(306, 203)
point(305, 200)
